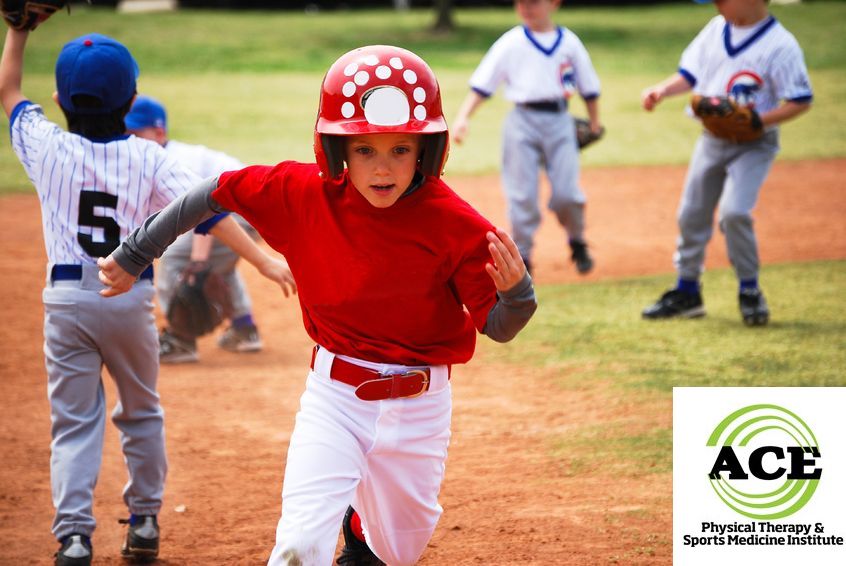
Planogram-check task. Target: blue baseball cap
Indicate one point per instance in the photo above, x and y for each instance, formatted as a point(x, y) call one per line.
point(146, 112)
point(703, 1)
point(99, 66)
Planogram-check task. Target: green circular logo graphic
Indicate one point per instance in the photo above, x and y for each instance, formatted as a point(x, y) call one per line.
point(762, 467)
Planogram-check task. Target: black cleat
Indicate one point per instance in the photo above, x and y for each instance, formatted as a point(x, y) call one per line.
point(676, 304)
point(176, 350)
point(355, 552)
point(581, 256)
point(75, 551)
point(240, 339)
point(142, 538)
point(753, 307)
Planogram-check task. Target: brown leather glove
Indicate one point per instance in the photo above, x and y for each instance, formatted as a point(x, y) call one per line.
point(584, 135)
point(726, 119)
point(201, 302)
point(27, 14)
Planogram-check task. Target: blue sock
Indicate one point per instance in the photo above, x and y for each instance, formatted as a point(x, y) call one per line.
point(749, 283)
point(242, 321)
point(690, 286)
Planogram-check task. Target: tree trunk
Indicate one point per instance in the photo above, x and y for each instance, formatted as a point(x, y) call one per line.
point(444, 22)
point(402, 5)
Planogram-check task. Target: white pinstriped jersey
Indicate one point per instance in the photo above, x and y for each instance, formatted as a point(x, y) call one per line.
point(92, 194)
point(536, 66)
point(201, 160)
point(758, 65)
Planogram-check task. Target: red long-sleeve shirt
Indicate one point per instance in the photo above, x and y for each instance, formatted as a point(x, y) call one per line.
point(381, 284)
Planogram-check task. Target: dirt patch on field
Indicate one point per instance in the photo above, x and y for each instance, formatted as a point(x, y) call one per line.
point(507, 500)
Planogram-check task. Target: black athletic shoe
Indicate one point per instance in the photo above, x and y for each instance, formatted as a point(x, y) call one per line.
point(675, 303)
point(581, 256)
point(142, 538)
point(75, 551)
point(355, 552)
point(176, 350)
point(753, 307)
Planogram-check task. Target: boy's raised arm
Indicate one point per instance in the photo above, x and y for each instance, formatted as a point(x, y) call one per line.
point(11, 70)
point(462, 121)
point(671, 86)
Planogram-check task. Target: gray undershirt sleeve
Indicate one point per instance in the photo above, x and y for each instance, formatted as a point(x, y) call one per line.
point(151, 239)
point(512, 311)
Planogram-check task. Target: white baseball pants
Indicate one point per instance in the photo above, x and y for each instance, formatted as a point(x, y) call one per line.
point(385, 458)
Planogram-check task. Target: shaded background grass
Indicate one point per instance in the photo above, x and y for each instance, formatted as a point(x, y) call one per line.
point(594, 331)
point(248, 82)
point(589, 338)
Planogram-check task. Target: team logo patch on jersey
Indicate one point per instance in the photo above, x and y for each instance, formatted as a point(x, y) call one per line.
point(568, 78)
point(743, 86)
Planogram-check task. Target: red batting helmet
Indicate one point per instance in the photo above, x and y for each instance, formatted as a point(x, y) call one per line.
point(379, 89)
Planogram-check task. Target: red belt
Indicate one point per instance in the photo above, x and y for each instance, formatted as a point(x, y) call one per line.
point(372, 385)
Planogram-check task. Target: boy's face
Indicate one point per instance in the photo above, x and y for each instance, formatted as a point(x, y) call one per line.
point(536, 14)
point(155, 134)
point(740, 10)
point(382, 166)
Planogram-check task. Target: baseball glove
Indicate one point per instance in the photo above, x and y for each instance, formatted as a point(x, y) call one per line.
point(584, 135)
point(726, 119)
point(201, 301)
point(27, 14)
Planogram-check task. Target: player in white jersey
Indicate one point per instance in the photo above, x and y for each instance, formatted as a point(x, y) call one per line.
point(542, 65)
point(148, 119)
point(96, 185)
point(746, 54)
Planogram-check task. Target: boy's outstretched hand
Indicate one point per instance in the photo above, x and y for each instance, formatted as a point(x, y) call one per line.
point(114, 277)
point(508, 268)
point(277, 270)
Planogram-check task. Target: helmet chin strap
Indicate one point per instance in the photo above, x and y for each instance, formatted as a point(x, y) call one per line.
point(416, 183)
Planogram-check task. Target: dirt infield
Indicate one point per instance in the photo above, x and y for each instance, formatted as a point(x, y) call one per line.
point(506, 500)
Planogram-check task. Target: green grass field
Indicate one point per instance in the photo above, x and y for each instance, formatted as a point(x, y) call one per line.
point(247, 82)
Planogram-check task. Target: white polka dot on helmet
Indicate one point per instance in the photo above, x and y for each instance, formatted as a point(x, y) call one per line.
point(380, 89)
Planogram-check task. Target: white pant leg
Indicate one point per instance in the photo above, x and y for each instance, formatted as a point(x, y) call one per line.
point(77, 410)
point(325, 459)
point(746, 174)
point(130, 349)
point(521, 157)
point(703, 187)
point(561, 154)
point(397, 499)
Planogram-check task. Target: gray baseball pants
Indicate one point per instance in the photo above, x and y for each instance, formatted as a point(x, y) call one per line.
point(222, 260)
point(727, 176)
point(83, 332)
point(533, 139)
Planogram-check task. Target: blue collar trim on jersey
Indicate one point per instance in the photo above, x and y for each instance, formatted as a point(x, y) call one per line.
point(540, 47)
point(732, 51)
point(108, 139)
